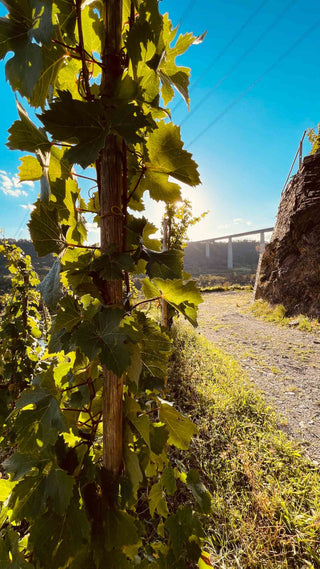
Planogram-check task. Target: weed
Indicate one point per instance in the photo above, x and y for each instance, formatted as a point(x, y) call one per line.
point(277, 314)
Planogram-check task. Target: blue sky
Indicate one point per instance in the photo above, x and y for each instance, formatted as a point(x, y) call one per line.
point(244, 157)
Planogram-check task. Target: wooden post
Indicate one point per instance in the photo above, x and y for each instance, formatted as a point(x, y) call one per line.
point(110, 181)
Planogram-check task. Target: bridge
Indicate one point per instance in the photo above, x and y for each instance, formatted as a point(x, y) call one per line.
point(208, 242)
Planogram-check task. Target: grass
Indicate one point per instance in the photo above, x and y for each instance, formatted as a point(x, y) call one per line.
point(265, 494)
point(277, 314)
point(225, 288)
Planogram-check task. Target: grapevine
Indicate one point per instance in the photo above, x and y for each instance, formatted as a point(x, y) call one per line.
point(89, 483)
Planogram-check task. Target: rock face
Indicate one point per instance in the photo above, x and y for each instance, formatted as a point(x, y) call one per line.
point(290, 266)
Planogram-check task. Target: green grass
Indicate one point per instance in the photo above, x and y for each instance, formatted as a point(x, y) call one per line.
point(225, 288)
point(277, 314)
point(265, 494)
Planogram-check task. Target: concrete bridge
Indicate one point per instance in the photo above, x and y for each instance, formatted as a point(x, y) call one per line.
point(208, 242)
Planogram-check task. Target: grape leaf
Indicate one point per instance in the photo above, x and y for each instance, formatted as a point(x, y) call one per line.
point(166, 154)
point(104, 336)
point(157, 501)
point(168, 481)
point(78, 122)
point(166, 265)
point(183, 297)
point(50, 286)
point(199, 491)
point(56, 539)
point(180, 428)
point(160, 187)
point(45, 230)
point(19, 464)
point(69, 314)
point(30, 169)
point(58, 489)
point(24, 135)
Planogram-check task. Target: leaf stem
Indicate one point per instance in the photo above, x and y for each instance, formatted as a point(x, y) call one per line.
point(137, 184)
point(145, 301)
point(76, 246)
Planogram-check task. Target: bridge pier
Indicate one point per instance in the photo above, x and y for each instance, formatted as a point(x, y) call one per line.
point(230, 254)
point(208, 250)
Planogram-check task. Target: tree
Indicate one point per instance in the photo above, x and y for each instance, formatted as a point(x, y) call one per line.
point(83, 469)
point(179, 219)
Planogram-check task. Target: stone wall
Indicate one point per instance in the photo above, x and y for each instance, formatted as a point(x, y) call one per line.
point(290, 266)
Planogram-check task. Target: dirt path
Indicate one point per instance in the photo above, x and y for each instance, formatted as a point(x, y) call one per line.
point(284, 363)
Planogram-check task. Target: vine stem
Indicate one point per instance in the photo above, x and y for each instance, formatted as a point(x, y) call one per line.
point(85, 70)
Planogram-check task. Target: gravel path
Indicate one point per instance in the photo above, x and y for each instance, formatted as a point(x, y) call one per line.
point(283, 363)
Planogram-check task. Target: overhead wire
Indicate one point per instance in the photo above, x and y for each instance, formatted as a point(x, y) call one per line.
point(262, 76)
point(251, 48)
point(226, 47)
point(186, 12)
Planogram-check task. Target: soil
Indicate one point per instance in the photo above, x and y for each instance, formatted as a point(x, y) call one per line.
point(282, 362)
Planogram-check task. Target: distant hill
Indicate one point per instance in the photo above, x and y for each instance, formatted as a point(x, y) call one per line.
point(245, 258)
point(40, 264)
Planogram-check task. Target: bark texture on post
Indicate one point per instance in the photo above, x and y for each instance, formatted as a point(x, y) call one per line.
point(111, 232)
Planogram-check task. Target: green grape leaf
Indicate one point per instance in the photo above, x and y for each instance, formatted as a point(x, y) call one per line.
point(41, 425)
point(183, 297)
point(104, 336)
point(10, 555)
point(24, 69)
point(167, 155)
point(118, 529)
point(155, 347)
point(199, 491)
point(150, 290)
point(180, 428)
point(159, 186)
point(59, 167)
point(168, 481)
point(58, 489)
point(24, 135)
point(78, 122)
point(49, 287)
point(19, 465)
point(69, 314)
point(53, 57)
point(140, 422)
point(6, 487)
point(30, 169)
point(56, 539)
point(45, 230)
point(158, 437)
point(90, 26)
point(111, 265)
point(157, 501)
point(183, 528)
point(87, 124)
point(133, 469)
point(166, 265)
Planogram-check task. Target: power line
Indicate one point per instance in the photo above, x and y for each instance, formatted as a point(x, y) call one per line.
point(226, 47)
point(262, 76)
point(186, 11)
point(240, 60)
